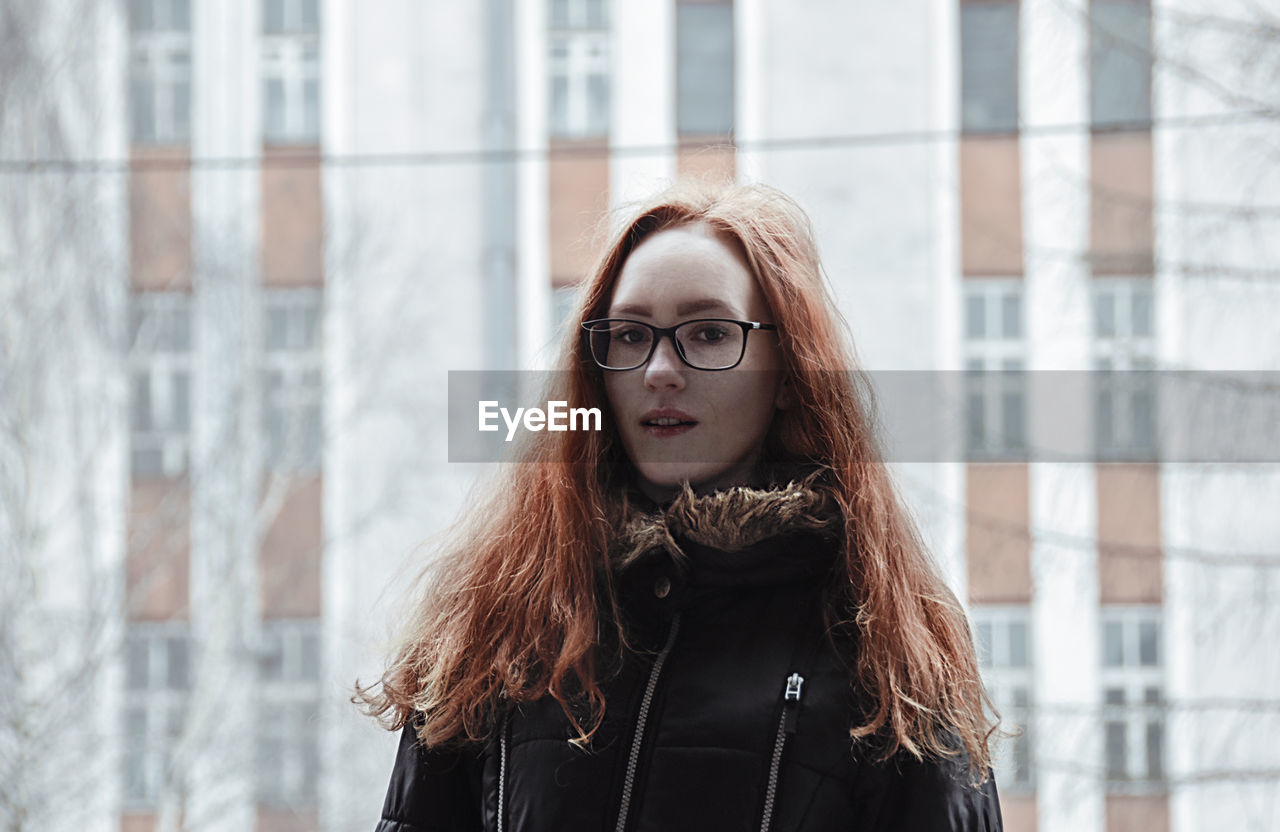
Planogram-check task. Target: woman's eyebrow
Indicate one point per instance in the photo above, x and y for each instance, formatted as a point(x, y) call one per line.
point(689, 308)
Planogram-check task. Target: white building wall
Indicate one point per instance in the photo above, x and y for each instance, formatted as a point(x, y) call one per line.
point(226, 458)
point(1218, 299)
point(643, 107)
point(751, 51)
point(944, 521)
point(1053, 91)
point(405, 304)
point(537, 346)
point(860, 74)
point(106, 482)
point(882, 194)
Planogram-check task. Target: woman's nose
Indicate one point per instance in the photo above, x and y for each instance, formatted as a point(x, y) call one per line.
point(665, 367)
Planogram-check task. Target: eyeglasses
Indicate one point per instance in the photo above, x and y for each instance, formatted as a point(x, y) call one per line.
point(703, 344)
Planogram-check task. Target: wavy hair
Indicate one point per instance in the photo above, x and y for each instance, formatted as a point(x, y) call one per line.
point(511, 612)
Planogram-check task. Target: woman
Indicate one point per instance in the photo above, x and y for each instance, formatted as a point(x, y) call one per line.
point(712, 614)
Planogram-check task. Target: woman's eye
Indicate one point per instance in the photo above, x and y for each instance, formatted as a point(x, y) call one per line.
point(632, 335)
point(711, 333)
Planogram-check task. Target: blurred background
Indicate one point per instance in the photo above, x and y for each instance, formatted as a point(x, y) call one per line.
point(243, 242)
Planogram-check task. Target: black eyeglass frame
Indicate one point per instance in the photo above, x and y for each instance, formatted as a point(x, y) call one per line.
point(660, 332)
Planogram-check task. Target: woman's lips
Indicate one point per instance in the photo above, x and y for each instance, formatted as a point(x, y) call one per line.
point(672, 422)
point(663, 431)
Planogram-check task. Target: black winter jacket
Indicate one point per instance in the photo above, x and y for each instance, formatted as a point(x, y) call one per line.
point(732, 714)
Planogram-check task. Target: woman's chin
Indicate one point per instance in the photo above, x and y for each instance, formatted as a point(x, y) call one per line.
point(672, 474)
point(667, 478)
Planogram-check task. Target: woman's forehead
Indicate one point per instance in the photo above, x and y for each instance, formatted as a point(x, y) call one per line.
point(689, 269)
point(696, 242)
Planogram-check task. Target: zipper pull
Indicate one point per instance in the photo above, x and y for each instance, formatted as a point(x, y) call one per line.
point(791, 702)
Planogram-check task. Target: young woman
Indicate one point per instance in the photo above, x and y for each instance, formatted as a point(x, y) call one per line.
point(714, 613)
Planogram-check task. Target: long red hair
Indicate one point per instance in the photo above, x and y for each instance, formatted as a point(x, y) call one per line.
point(510, 612)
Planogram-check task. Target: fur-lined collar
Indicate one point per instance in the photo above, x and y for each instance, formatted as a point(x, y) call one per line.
point(731, 520)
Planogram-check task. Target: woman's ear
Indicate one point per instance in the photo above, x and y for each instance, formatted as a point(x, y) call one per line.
point(786, 393)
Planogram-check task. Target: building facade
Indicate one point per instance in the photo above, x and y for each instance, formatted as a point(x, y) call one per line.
point(307, 212)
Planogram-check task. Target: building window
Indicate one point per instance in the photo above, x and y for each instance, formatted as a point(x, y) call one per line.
point(1120, 63)
point(989, 66)
point(578, 64)
point(157, 659)
point(1133, 697)
point(160, 380)
point(1125, 381)
point(288, 755)
point(704, 68)
point(293, 386)
point(995, 383)
point(1003, 638)
point(160, 71)
point(291, 72)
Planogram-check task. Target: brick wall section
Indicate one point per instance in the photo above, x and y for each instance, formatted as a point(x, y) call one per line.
point(1129, 516)
point(285, 820)
point(137, 822)
point(292, 217)
point(160, 219)
point(158, 563)
point(577, 199)
point(1122, 235)
point(990, 206)
point(714, 159)
point(291, 553)
point(1018, 812)
point(999, 547)
point(1136, 813)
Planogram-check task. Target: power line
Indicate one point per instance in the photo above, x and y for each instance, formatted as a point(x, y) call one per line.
point(603, 150)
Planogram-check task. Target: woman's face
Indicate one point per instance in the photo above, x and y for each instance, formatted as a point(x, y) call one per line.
point(674, 276)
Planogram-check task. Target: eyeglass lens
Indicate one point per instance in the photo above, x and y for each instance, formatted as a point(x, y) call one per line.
point(707, 345)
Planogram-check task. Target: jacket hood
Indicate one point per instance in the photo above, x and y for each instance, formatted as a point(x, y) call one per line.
point(755, 534)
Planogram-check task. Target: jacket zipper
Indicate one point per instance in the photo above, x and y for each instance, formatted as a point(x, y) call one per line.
point(786, 728)
point(634, 759)
point(502, 773)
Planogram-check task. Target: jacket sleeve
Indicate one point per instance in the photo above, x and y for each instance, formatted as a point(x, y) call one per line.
point(431, 790)
point(936, 796)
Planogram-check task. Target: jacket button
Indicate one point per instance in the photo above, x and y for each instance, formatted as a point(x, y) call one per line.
point(662, 587)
